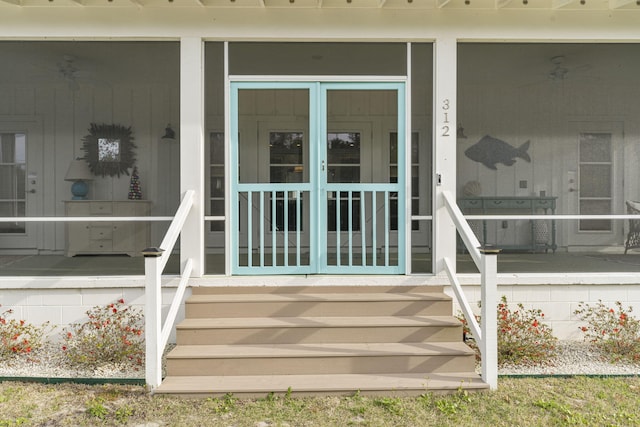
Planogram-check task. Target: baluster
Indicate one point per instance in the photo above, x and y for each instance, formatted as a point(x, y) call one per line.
point(374, 240)
point(273, 229)
point(350, 227)
point(363, 225)
point(249, 228)
point(285, 197)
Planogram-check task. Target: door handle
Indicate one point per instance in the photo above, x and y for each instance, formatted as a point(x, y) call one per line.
point(322, 167)
point(32, 191)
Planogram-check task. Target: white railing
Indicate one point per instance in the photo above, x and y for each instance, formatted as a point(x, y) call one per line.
point(156, 259)
point(485, 334)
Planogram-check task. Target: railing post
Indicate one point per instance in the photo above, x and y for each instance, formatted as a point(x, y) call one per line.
point(489, 298)
point(153, 317)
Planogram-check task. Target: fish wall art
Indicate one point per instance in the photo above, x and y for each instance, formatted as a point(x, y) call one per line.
point(490, 151)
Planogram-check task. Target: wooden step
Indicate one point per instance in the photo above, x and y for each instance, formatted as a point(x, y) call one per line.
point(318, 304)
point(256, 386)
point(374, 288)
point(332, 358)
point(319, 340)
point(292, 330)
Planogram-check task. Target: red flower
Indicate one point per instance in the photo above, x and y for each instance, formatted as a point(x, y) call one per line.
point(115, 310)
point(535, 323)
point(611, 310)
point(121, 301)
point(64, 348)
point(22, 323)
point(583, 329)
point(69, 335)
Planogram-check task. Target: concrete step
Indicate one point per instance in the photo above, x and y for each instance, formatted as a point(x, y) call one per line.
point(292, 330)
point(318, 304)
point(256, 386)
point(297, 359)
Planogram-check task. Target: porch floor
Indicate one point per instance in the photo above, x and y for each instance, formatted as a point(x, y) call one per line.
point(109, 265)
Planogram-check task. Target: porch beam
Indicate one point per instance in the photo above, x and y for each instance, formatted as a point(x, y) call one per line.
point(192, 150)
point(444, 152)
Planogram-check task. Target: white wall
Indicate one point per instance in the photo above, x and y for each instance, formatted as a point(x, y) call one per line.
point(558, 302)
point(64, 306)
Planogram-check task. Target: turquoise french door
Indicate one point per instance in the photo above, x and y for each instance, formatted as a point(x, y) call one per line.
point(319, 186)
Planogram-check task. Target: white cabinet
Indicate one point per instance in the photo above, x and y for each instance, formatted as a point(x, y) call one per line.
point(105, 237)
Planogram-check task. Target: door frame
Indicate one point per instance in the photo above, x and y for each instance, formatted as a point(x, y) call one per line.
point(318, 89)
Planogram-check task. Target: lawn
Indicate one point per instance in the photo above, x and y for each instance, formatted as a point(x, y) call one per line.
point(612, 401)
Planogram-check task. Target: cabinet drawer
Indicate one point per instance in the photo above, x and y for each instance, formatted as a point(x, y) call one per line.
point(101, 233)
point(543, 204)
point(470, 204)
point(100, 208)
point(508, 204)
point(100, 246)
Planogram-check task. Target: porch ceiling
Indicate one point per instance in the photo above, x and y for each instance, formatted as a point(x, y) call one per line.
point(391, 4)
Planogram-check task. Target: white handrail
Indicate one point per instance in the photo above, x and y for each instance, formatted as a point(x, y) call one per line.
point(486, 261)
point(157, 335)
point(173, 232)
point(468, 237)
point(175, 304)
point(469, 315)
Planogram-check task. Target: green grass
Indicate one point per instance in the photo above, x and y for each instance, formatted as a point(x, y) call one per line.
point(579, 401)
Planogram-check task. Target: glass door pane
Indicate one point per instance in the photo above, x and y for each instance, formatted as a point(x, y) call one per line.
point(13, 174)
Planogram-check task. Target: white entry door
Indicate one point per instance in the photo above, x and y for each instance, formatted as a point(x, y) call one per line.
point(595, 184)
point(20, 176)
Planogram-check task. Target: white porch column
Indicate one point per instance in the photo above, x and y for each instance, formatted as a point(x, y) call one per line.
point(192, 149)
point(444, 112)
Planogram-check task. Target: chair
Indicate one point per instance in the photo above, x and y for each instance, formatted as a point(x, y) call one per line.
point(633, 236)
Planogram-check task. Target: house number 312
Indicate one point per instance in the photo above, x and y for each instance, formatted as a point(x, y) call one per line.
point(446, 105)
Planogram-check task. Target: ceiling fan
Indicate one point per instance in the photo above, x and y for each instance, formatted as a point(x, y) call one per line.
point(559, 72)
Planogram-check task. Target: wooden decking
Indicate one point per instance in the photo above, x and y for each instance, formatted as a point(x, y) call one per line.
point(319, 340)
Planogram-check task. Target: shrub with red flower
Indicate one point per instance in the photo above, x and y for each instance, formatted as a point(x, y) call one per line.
point(523, 337)
point(613, 330)
point(112, 334)
point(20, 337)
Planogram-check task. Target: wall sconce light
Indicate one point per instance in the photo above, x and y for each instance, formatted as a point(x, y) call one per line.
point(169, 133)
point(79, 172)
point(460, 132)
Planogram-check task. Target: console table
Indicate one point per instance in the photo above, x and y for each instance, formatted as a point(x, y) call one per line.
point(495, 205)
point(104, 238)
